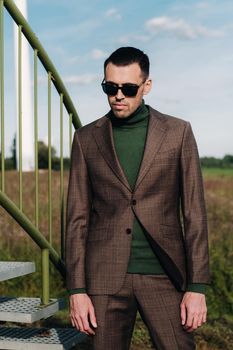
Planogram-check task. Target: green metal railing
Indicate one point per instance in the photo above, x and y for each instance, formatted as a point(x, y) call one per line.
point(16, 211)
point(20, 115)
point(2, 94)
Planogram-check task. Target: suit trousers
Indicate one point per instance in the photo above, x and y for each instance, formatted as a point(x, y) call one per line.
point(158, 303)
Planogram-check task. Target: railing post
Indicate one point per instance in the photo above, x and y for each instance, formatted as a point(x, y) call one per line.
point(62, 180)
point(2, 95)
point(20, 126)
point(49, 160)
point(70, 131)
point(36, 137)
point(45, 276)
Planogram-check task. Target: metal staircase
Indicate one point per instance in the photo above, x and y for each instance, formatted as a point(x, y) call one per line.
point(22, 311)
point(29, 310)
point(12, 269)
point(39, 338)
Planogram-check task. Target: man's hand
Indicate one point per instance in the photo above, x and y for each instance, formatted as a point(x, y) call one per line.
point(82, 313)
point(193, 310)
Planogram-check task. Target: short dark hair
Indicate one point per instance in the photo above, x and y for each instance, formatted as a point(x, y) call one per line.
point(129, 55)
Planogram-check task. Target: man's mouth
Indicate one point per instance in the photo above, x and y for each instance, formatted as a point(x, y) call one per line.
point(118, 105)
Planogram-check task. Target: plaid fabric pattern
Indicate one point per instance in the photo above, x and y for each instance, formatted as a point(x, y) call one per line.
point(155, 297)
point(101, 206)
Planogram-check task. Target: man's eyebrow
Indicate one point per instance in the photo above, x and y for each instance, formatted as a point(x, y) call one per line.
point(110, 81)
point(113, 82)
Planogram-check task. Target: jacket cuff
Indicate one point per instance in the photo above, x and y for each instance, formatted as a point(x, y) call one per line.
point(196, 287)
point(76, 291)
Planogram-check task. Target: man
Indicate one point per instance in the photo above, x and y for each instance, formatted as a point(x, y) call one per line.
point(128, 247)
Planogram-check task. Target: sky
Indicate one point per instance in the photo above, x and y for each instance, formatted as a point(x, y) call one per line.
point(189, 43)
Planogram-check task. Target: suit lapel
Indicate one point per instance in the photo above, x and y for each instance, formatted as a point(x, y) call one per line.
point(104, 138)
point(155, 136)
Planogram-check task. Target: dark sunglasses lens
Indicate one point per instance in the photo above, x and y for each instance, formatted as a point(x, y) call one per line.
point(129, 90)
point(110, 89)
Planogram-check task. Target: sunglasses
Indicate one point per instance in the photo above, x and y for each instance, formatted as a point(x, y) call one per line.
point(128, 89)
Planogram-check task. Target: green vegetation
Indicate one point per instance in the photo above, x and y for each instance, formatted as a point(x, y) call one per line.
point(211, 165)
point(220, 172)
point(217, 334)
point(212, 162)
point(11, 162)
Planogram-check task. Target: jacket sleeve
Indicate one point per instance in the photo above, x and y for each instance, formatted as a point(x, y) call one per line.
point(79, 200)
point(197, 288)
point(194, 211)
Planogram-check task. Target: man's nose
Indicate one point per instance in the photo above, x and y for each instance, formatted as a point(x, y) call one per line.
point(119, 95)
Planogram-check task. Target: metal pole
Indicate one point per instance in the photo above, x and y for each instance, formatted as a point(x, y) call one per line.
point(36, 138)
point(45, 276)
point(49, 161)
point(70, 132)
point(20, 116)
point(2, 96)
point(62, 180)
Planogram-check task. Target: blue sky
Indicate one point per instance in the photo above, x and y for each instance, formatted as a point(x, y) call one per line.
point(189, 44)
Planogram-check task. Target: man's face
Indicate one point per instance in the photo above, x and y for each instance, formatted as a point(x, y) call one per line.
point(121, 105)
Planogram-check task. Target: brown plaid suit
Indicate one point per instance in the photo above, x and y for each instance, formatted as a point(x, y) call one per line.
point(101, 207)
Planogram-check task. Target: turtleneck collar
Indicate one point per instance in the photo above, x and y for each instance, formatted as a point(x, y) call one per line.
point(141, 114)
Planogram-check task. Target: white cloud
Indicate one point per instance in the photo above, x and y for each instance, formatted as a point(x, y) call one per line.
point(82, 79)
point(113, 13)
point(81, 29)
point(98, 54)
point(180, 28)
point(209, 33)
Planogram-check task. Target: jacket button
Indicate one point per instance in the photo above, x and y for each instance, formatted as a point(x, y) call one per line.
point(128, 231)
point(133, 202)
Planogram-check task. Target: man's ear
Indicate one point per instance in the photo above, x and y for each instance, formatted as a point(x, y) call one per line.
point(147, 86)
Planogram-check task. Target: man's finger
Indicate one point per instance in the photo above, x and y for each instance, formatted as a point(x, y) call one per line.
point(205, 316)
point(86, 326)
point(72, 322)
point(79, 324)
point(189, 321)
point(196, 320)
point(200, 320)
point(92, 317)
point(183, 313)
point(88, 329)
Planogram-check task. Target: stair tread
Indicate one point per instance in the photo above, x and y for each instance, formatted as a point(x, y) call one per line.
point(12, 269)
point(27, 310)
point(40, 338)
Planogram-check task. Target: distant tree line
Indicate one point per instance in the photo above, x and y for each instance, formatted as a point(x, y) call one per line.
point(43, 158)
point(212, 162)
point(10, 163)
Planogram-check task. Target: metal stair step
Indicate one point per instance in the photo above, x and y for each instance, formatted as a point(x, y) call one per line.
point(27, 310)
point(40, 338)
point(12, 269)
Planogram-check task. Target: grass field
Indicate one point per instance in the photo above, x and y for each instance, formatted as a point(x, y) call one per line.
point(217, 334)
point(219, 172)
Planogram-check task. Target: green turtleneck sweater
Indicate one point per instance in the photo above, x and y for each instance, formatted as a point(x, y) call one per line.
point(129, 136)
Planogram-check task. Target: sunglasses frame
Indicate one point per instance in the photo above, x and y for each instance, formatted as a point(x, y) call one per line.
point(114, 85)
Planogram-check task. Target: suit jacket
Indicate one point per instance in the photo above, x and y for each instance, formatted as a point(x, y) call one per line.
point(168, 200)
